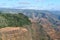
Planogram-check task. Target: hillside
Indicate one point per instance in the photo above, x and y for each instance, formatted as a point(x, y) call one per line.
point(13, 20)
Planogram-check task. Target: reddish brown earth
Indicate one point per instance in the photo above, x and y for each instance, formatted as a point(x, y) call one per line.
point(15, 33)
point(47, 27)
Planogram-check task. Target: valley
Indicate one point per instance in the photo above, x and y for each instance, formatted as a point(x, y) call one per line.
point(38, 24)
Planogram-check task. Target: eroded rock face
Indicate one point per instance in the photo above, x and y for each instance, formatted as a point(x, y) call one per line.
point(43, 30)
point(14, 33)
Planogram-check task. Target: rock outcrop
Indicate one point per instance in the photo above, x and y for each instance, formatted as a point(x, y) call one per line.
point(14, 33)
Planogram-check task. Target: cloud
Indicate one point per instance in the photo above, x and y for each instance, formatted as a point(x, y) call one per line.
point(24, 3)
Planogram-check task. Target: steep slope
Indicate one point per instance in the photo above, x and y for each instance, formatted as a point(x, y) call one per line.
point(48, 22)
point(47, 26)
point(38, 32)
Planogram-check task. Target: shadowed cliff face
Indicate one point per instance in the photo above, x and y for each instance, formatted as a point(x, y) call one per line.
point(43, 30)
point(38, 32)
point(14, 33)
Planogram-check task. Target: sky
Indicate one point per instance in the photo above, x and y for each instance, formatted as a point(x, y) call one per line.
point(31, 4)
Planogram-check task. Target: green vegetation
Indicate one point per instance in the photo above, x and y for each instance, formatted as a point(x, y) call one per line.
point(13, 20)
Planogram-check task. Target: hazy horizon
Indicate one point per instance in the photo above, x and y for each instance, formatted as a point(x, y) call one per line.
point(31, 4)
